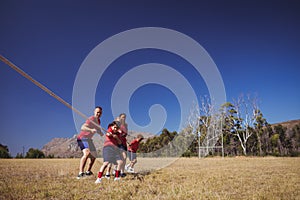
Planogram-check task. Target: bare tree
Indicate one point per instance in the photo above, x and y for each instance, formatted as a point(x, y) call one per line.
point(244, 122)
point(205, 121)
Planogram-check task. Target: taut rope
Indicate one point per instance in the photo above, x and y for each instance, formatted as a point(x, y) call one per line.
point(24, 74)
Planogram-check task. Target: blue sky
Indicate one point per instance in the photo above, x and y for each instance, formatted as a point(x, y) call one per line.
point(254, 44)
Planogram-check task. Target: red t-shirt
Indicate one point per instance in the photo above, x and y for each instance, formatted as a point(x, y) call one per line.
point(88, 134)
point(134, 145)
point(123, 135)
point(109, 140)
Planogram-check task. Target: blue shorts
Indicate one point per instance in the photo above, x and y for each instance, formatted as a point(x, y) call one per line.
point(111, 154)
point(131, 155)
point(86, 143)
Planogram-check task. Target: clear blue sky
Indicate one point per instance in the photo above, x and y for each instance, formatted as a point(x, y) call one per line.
point(254, 44)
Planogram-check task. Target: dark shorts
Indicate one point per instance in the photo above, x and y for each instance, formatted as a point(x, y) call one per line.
point(86, 143)
point(122, 148)
point(111, 154)
point(131, 155)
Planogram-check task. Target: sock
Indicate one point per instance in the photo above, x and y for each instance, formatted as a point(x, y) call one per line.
point(107, 173)
point(117, 173)
point(100, 174)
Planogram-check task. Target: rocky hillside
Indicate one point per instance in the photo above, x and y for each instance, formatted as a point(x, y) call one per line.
point(68, 148)
point(288, 124)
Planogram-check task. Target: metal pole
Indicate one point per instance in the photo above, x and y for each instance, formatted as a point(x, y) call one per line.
point(199, 156)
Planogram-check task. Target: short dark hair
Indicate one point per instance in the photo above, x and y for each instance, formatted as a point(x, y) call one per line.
point(99, 107)
point(113, 123)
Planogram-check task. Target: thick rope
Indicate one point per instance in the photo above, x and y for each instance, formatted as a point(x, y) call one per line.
point(24, 74)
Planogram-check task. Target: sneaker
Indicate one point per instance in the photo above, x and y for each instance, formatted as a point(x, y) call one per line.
point(98, 180)
point(123, 174)
point(89, 173)
point(81, 175)
point(130, 170)
point(117, 179)
point(107, 176)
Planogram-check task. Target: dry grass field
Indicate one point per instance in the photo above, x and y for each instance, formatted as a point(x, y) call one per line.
point(186, 178)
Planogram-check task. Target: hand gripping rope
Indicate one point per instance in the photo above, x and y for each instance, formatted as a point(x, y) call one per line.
point(24, 74)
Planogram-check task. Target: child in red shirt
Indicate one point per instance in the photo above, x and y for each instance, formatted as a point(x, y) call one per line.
point(123, 129)
point(132, 149)
point(123, 146)
point(111, 152)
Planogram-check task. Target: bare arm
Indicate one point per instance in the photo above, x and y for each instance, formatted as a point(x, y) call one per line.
point(109, 134)
point(85, 127)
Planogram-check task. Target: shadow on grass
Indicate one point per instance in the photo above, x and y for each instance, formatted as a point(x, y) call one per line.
point(138, 175)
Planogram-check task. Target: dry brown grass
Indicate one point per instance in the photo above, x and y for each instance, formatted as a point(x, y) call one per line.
point(186, 178)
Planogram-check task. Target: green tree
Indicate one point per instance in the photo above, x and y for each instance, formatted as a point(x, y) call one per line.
point(4, 151)
point(34, 153)
point(281, 131)
point(295, 140)
point(229, 112)
point(259, 125)
point(268, 133)
point(19, 155)
point(274, 144)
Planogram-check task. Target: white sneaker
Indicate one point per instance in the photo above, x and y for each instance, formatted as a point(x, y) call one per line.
point(117, 179)
point(130, 170)
point(98, 180)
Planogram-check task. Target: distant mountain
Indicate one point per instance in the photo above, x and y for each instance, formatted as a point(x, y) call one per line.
point(288, 124)
point(68, 147)
point(62, 147)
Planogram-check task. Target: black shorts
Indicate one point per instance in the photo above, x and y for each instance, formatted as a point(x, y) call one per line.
point(122, 147)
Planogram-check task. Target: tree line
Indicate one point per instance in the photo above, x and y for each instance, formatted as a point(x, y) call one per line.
point(31, 153)
point(267, 141)
point(233, 129)
point(236, 128)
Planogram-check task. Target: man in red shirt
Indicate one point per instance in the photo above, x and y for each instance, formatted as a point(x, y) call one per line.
point(132, 149)
point(85, 142)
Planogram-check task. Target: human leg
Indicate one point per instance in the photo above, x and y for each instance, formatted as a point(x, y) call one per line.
point(108, 169)
point(83, 160)
point(124, 157)
point(100, 173)
point(133, 161)
point(92, 156)
point(91, 163)
point(119, 164)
